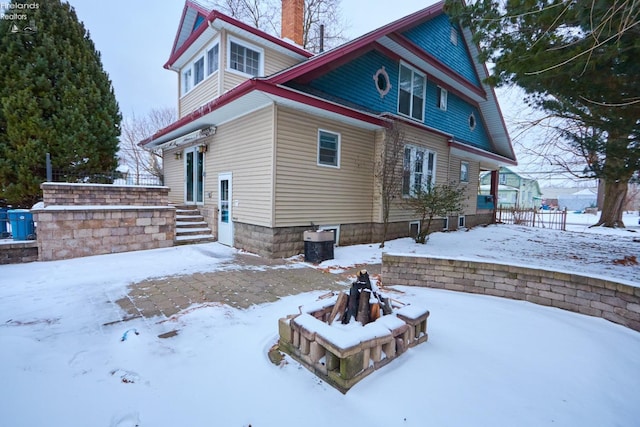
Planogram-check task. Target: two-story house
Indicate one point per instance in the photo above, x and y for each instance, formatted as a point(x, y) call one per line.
point(272, 138)
point(514, 190)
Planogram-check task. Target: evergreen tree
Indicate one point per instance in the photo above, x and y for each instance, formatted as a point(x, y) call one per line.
point(55, 98)
point(577, 61)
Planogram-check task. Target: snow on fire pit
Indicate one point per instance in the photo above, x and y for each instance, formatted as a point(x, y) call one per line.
point(343, 338)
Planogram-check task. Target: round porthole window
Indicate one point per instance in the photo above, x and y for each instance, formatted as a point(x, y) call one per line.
point(382, 82)
point(472, 121)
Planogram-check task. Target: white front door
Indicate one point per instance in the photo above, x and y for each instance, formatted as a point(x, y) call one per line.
point(225, 224)
point(194, 176)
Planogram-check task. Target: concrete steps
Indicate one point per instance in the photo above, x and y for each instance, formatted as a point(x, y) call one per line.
point(191, 226)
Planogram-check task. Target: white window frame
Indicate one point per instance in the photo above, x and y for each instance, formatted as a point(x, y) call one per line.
point(445, 226)
point(453, 36)
point(339, 144)
point(187, 80)
point(336, 229)
point(464, 172)
point(208, 70)
point(195, 71)
point(412, 171)
point(414, 72)
point(443, 96)
point(502, 178)
point(246, 45)
point(414, 223)
point(462, 222)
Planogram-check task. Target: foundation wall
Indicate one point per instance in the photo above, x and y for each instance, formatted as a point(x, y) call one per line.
point(285, 242)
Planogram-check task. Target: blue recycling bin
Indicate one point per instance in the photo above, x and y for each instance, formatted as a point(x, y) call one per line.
point(4, 223)
point(21, 224)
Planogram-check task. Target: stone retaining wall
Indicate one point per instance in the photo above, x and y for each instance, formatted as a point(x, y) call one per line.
point(18, 252)
point(92, 219)
point(617, 302)
point(67, 194)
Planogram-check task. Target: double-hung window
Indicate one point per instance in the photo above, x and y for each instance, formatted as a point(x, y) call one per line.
point(411, 93)
point(328, 149)
point(244, 59)
point(418, 172)
point(213, 59)
point(198, 71)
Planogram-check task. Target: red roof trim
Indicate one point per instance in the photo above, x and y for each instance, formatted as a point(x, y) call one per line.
point(218, 15)
point(409, 45)
point(214, 15)
point(216, 103)
point(304, 98)
point(483, 153)
point(356, 44)
point(264, 86)
point(175, 39)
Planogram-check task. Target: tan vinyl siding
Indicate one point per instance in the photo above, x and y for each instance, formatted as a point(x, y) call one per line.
point(244, 147)
point(471, 187)
point(377, 214)
point(201, 94)
point(174, 175)
point(233, 79)
point(306, 192)
point(432, 142)
point(275, 61)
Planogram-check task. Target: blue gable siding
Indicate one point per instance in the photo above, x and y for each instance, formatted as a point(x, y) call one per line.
point(353, 82)
point(434, 37)
point(456, 119)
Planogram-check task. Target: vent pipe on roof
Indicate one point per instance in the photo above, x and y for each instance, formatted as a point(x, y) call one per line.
point(321, 38)
point(293, 20)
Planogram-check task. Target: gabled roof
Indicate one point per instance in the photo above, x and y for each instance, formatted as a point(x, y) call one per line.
point(390, 40)
point(196, 20)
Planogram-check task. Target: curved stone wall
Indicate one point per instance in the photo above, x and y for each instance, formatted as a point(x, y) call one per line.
point(614, 301)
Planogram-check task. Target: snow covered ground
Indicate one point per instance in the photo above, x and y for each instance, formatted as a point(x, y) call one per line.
point(488, 361)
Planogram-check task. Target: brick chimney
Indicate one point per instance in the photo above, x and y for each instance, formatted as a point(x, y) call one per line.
point(292, 20)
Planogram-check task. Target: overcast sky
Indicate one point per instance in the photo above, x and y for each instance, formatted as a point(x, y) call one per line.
point(135, 39)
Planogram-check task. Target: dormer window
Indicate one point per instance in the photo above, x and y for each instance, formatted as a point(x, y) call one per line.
point(245, 59)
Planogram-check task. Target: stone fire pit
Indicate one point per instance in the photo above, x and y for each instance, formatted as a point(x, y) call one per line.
point(343, 354)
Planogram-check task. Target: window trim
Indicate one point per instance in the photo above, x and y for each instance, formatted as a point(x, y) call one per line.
point(336, 235)
point(246, 45)
point(338, 149)
point(466, 176)
point(502, 178)
point(462, 222)
point(414, 71)
point(414, 149)
point(187, 82)
point(193, 67)
point(418, 223)
point(443, 98)
point(453, 36)
point(206, 54)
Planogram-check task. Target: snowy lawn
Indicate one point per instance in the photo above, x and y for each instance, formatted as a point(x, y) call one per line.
point(488, 361)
